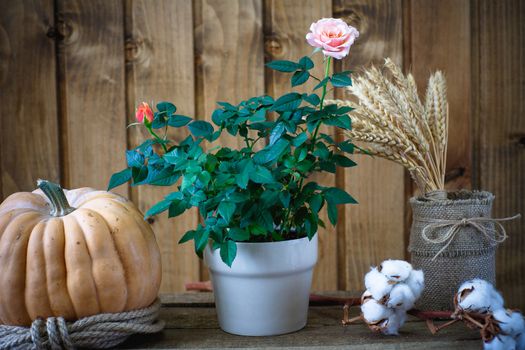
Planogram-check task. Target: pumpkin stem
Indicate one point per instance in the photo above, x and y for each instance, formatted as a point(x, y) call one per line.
point(59, 204)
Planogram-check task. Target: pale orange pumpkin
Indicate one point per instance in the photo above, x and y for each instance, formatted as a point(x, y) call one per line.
point(73, 254)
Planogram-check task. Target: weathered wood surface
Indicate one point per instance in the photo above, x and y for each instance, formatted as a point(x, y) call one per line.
point(440, 39)
point(229, 62)
point(191, 323)
point(71, 73)
point(373, 230)
point(91, 89)
point(499, 130)
point(29, 147)
point(158, 70)
point(286, 25)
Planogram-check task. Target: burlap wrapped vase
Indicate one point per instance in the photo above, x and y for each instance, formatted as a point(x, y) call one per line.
point(453, 240)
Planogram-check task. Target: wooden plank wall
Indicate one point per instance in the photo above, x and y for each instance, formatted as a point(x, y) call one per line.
point(71, 73)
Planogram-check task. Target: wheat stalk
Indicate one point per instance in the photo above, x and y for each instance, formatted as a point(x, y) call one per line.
point(391, 122)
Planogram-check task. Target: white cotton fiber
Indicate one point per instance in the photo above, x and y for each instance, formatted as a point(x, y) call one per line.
point(478, 296)
point(510, 323)
point(396, 270)
point(377, 284)
point(416, 282)
point(401, 297)
point(374, 312)
point(500, 342)
point(520, 341)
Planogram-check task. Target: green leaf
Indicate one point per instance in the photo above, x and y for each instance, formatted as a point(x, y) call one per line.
point(226, 210)
point(346, 146)
point(165, 177)
point(189, 235)
point(276, 133)
point(306, 62)
point(176, 208)
point(157, 208)
point(342, 121)
point(332, 213)
point(313, 99)
point(245, 168)
point(177, 120)
point(119, 178)
point(316, 202)
point(284, 66)
point(322, 83)
point(201, 239)
point(238, 234)
point(335, 195)
point(287, 102)
point(285, 198)
point(167, 107)
point(200, 128)
point(341, 80)
point(259, 116)
point(343, 161)
point(228, 252)
point(261, 175)
point(300, 139)
point(271, 153)
point(300, 77)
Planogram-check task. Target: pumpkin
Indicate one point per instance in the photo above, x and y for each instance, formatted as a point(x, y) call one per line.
point(74, 254)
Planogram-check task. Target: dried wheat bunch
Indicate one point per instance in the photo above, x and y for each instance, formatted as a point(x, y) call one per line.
point(391, 122)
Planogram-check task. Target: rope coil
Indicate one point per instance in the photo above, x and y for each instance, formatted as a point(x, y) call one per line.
point(96, 332)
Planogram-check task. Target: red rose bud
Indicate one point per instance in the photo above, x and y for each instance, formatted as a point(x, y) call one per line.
point(144, 110)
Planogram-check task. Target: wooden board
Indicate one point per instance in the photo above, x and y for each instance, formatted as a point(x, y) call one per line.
point(229, 58)
point(373, 229)
point(159, 67)
point(91, 91)
point(286, 25)
point(193, 325)
point(437, 29)
point(29, 146)
point(499, 129)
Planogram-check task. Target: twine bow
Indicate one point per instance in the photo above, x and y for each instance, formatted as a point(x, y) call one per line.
point(500, 234)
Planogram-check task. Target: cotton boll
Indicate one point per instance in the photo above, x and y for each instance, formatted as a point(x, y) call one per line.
point(366, 296)
point(520, 341)
point(392, 324)
point(416, 282)
point(377, 284)
point(401, 297)
point(478, 296)
point(373, 311)
point(395, 270)
point(510, 323)
point(500, 342)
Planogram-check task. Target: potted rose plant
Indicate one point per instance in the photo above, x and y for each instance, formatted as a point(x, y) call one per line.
point(260, 213)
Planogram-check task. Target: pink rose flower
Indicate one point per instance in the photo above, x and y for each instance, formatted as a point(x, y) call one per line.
point(144, 110)
point(333, 36)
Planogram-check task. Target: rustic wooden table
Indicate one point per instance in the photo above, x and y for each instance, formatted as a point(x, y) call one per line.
point(191, 323)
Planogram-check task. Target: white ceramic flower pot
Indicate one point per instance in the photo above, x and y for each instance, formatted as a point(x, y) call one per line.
point(266, 291)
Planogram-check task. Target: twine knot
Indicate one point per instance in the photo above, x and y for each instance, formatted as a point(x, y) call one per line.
point(454, 226)
point(94, 332)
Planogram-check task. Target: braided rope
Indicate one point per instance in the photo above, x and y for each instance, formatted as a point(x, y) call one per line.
point(95, 332)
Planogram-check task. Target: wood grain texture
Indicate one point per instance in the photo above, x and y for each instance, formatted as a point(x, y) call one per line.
point(229, 49)
point(91, 91)
point(28, 112)
point(439, 39)
point(192, 324)
point(374, 229)
point(229, 59)
point(158, 69)
point(499, 129)
point(286, 25)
